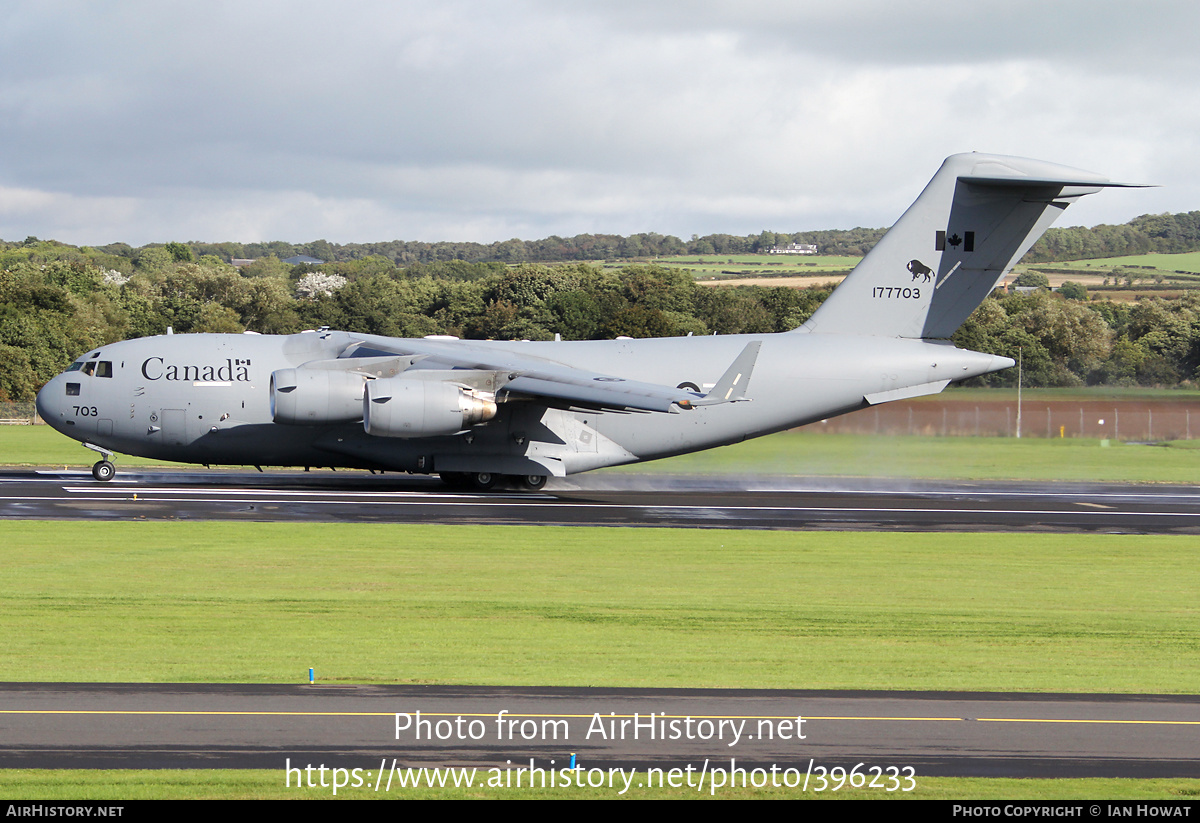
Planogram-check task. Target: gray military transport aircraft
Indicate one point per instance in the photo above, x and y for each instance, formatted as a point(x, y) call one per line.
point(478, 413)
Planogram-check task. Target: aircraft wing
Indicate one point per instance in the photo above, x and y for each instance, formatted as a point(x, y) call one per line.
point(537, 377)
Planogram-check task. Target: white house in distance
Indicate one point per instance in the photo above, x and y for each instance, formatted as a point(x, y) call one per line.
point(793, 248)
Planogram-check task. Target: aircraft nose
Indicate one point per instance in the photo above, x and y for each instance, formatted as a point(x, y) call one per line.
point(49, 402)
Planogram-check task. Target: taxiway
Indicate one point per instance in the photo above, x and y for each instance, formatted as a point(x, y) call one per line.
point(246, 726)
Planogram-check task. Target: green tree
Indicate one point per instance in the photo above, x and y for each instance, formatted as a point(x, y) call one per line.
point(1034, 279)
point(18, 380)
point(180, 252)
point(218, 319)
point(153, 259)
point(1073, 291)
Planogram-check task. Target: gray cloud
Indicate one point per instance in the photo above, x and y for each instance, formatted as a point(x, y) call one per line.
point(141, 121)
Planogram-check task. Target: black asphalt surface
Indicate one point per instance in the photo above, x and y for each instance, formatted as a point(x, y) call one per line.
point(247, 726)
point(611, 499)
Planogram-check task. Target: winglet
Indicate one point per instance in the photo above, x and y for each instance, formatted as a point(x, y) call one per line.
point(733, 384)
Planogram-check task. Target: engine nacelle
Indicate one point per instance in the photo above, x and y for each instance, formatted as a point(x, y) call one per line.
point(311, 397)
point(407, 407)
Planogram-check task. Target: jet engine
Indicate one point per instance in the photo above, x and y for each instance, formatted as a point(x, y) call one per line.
point(310, 397)
point(406, 407)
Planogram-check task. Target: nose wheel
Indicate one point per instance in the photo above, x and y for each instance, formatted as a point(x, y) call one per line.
point(104, 471)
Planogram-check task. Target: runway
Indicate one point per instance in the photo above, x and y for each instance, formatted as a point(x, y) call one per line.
point(606, 499)
point(925, 734)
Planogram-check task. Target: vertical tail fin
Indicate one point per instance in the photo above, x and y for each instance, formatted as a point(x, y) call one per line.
point(977, 217)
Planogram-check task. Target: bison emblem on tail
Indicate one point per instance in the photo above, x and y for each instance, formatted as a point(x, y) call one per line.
point(919, 270)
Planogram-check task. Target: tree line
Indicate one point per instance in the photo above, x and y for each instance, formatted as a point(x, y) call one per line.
point(1150, 233)
point(1162, 233)
point(52, 312)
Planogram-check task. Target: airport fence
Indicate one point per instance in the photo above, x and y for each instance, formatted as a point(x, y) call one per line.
point(1128, 420)
point(18, 414)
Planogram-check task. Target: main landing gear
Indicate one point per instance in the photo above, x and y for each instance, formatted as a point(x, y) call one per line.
point(486, 481)
point(532, 482)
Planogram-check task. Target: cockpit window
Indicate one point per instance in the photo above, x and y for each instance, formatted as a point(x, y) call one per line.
point(76, 366)
point(104, 368)
point(89, 368)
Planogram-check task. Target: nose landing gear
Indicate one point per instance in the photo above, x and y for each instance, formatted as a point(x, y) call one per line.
point(104, 470)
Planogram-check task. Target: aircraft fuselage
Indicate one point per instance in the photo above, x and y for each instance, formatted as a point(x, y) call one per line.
point(206, 398)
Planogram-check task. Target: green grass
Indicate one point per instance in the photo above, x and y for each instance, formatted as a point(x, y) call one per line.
point(260, 603)
point(760, 265)
point(269, 784)
point(940, 458)
point(43, 446)
point(809, 453)
point(1187, 261)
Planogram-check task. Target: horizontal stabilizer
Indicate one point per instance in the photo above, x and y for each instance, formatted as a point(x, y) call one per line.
point(1060, 181)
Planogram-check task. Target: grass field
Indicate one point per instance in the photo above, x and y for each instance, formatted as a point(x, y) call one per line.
point(709, 265)
point(941, 458)
point(1186, 262)
point(808, 453)
point(800, 271)
point(261, 603)
point(1179, 271)
point(43, 446)
point(733, 266)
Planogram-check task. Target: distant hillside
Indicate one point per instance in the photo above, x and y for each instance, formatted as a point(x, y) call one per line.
point(554, 249)
point(582, 247)
point(1157, 233)
point(1162, 233)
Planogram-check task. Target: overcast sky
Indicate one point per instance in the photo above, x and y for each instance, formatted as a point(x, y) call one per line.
point(483, 120)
